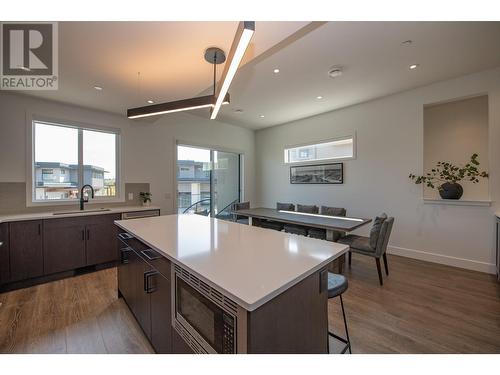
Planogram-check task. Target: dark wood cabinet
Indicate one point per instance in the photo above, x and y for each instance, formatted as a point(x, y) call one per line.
point(25, 247)
point(144, 283)
point(138, 299)
point(75, 242)
point(101, 239)
point(125, 275)
point(63, 245)
point(161, 314)
point(4, 254)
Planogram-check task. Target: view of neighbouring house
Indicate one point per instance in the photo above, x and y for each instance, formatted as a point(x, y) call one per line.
point(60, 181)
point(193, 185)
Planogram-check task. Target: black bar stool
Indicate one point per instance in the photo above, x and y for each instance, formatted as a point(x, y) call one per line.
point(337, 284)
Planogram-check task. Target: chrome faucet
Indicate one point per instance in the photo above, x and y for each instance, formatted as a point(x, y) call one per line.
point(82, 200)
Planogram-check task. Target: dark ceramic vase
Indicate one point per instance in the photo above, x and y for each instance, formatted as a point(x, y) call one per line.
point(451, 190)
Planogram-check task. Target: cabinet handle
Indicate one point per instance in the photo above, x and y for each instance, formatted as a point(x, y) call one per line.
point(39, 229)
point(88, 234)
point(123, 258)
point(83, 234)
point(149, 257)
point(147, 277)
point(125, 236)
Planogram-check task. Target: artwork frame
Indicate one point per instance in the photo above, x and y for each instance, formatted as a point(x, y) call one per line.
point(317, 174)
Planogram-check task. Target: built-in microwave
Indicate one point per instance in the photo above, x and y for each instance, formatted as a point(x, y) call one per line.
point(205, 318)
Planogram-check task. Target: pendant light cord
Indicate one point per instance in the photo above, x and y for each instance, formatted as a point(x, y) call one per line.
point(215, 69)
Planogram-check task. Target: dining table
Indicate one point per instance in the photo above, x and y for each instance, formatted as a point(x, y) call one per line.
point(331, 224)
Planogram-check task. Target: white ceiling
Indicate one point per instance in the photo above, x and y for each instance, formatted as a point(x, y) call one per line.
point(375, 64)
point(169, 56)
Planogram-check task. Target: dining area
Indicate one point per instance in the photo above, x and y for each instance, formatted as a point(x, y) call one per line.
point(328, 224)
point(324, 223)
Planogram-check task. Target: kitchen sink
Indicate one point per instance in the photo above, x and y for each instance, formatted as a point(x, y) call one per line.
point(81, 212)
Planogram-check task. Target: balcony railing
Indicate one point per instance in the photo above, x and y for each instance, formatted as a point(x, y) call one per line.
point(202, 207)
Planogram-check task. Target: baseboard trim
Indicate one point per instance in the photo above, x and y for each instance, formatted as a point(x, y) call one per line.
point(443, 259)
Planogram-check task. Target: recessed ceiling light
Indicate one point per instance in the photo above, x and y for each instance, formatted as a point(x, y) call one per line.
point(98, 88)
point(150, 101)
point(414, 66)
point(335, 71)
point(319, 97)
point(262, 116)
point(407, 42)
point(276, 70)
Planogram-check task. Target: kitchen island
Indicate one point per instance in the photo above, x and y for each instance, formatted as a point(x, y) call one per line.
point(198, 284)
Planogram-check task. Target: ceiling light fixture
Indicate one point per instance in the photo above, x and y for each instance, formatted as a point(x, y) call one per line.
point(262, 116)
point(214, 56)
point(276, 70)
point(335, 71)
point(407, 42)
point(150, 101)
point(414, 66)
point(241, 41)
point(319, 97)
point(98, 88)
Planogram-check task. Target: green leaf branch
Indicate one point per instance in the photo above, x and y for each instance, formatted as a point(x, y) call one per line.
point(447, 172)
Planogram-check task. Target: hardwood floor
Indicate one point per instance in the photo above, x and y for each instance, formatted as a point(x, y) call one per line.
point(75, 315)
point(422, 308)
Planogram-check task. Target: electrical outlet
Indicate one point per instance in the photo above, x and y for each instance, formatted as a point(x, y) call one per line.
point(130, 196)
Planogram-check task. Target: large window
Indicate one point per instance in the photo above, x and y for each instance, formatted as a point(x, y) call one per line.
point(66, 157)
point(341, 148)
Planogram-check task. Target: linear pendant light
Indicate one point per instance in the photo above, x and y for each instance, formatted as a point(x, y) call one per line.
point(220, 95)
point(176, 106)
point(240, 44)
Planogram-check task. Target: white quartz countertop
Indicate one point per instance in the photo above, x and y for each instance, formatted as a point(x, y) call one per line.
point(251, 265)
point(72, 213)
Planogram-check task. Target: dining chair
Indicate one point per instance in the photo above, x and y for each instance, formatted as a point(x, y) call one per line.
point(321, 233)
point(241, 206)
point(269, 224)
point(299, 229)
point(374, 246)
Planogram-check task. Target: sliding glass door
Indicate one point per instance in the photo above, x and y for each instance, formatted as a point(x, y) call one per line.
point(225, 182)
point(208, 181)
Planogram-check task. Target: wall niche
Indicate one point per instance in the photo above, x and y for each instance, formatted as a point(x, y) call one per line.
point(453, 131)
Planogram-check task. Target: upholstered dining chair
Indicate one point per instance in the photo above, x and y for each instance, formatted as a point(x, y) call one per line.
point(269, 224)
point(299, 229)
point(241, 206)
point(374, 246)
point(321, 233)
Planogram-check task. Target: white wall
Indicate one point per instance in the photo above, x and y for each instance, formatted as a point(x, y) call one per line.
point(148, 149)
point(390, 146)
point(454, 131)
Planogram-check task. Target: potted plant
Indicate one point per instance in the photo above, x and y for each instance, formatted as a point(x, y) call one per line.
point(446, 177)
point(145, 197)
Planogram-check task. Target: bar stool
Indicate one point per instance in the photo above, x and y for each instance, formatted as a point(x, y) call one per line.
point(337, 284)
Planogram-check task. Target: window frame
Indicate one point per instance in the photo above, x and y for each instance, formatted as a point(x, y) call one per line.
point(314, 143)
point(30, 160)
